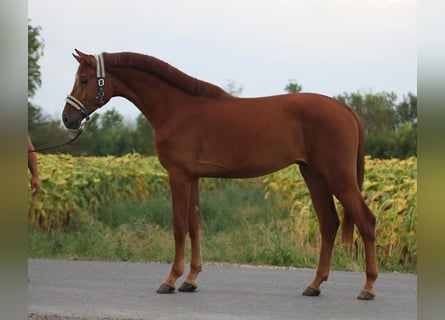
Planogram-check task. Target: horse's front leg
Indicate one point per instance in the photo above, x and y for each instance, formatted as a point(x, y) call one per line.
point(190, 284)
point(180, 187)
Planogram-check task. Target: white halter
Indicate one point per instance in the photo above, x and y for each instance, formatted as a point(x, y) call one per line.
point(76, 104)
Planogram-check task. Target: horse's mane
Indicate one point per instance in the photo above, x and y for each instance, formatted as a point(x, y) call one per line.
point(164, 71)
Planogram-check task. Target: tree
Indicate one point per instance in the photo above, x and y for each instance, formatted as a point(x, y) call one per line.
point(114, 135)
point(391, 127)
point(35, 52)
point(144, 136)
point(293, 86)
point(233, 88)
point(407, 110)
point(35, 117)
point(90, 140)
point(378, 111)
point(43, 130)
point(407, 126)
point(406, 141)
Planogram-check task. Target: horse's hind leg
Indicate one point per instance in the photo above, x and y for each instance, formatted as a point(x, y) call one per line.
point(190, 284)
point(354, 205)
point(328, 221)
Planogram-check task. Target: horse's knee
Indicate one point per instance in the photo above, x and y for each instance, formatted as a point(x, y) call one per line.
point(180, 233)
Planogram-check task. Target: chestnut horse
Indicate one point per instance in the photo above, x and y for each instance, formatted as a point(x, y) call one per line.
point(202, 131)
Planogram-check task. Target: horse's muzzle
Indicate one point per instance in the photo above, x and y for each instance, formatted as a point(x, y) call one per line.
point(71, 121)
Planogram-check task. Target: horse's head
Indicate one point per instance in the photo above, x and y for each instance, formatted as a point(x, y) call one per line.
point(89, 92)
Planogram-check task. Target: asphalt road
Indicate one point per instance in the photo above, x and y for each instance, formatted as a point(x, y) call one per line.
point(74, 290)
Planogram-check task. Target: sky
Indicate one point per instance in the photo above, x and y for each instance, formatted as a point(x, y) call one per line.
point(328, 46)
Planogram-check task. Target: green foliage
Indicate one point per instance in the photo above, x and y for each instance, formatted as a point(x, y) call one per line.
point(105, 134)
point(144, 136)
point(407, 110)
point(115, 136)
point(293, 86)
point(391, 127)
point(378, 111)
point(35, 52)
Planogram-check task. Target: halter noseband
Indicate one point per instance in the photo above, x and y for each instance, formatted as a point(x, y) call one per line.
point(76, 104)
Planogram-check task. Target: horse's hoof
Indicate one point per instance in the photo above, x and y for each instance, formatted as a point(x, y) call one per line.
point(165, 288)
point(366, 295)
point(188, 287)
point(311, 292)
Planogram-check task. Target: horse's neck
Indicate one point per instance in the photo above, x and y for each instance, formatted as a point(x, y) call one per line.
point(155, 98)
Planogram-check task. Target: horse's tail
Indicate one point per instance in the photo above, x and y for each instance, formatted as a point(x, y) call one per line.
point(348, 223)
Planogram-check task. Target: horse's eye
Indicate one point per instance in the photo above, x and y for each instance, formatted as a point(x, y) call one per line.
point(84, 81)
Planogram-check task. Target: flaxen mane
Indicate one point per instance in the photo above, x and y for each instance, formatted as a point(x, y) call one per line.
point(164, 71)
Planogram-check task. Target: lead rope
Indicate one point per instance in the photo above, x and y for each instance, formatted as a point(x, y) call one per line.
point(79, 132)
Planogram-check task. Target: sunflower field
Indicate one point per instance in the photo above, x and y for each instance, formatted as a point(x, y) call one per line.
point(79, 187)
point(390, 191)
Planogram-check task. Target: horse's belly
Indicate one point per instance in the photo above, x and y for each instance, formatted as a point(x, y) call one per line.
point(244, 164)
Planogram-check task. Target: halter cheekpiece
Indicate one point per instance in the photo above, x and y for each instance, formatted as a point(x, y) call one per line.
point(76, 104)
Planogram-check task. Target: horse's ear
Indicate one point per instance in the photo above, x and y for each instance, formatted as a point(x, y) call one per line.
point(81, 56)
point(78, 58)
point(89, 59)
point(80, 53)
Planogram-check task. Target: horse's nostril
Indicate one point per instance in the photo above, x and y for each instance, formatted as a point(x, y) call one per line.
point(65, 119)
